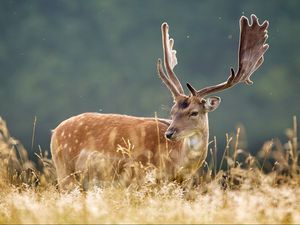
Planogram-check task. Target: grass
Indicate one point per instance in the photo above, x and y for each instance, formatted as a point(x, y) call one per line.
point(243, 189)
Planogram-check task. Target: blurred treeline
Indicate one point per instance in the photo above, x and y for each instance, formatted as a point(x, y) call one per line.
point(61, 58)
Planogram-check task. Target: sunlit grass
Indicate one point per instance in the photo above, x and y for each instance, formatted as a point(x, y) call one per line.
point(241, 191)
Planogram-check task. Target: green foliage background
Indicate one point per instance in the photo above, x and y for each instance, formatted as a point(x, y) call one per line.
point(62, 58)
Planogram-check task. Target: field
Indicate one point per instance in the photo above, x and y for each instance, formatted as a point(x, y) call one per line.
point(244, 189)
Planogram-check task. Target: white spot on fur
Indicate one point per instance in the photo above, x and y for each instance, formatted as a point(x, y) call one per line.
point(76, 141)
point(194, 142)
point(66, 145)
point(63, 134)
point(112, 135)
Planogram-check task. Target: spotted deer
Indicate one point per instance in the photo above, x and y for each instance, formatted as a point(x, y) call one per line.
point(179, 144)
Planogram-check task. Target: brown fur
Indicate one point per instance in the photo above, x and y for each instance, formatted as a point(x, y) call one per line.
point(105, 133)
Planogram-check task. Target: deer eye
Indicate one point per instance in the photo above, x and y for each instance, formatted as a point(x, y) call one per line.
point(194, 113)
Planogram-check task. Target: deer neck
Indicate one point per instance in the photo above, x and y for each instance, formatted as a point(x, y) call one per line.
point(195, 146)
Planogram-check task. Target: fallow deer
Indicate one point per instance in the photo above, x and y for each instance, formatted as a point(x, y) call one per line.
point(179, 144)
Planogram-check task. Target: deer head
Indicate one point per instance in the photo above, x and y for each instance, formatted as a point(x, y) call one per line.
point(189, 112)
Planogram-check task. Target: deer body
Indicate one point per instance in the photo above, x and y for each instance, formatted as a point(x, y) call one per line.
point(178, 145)
point(105, 133)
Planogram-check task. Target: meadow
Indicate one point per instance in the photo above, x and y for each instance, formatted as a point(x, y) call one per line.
point(242, 188)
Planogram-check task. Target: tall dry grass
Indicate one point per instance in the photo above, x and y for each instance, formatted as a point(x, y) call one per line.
point(241, 188)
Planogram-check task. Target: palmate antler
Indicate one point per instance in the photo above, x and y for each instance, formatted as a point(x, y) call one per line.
point(251, 50)
point(170, 61)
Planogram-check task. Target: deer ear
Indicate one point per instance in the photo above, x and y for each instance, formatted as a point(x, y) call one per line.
point(212, 103)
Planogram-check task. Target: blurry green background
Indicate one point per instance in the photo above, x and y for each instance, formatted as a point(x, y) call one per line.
point(62, 58)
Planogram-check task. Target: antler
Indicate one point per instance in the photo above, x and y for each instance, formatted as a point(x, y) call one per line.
point(170, 61)
point(251, 50)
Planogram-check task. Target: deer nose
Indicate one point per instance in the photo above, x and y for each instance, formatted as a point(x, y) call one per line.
point(169, 134)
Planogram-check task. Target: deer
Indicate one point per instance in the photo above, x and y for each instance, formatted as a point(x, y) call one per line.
point(178, 144)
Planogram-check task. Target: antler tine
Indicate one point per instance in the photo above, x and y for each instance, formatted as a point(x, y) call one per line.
point(166, 80)
point(170, 60)
point(252, 47)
